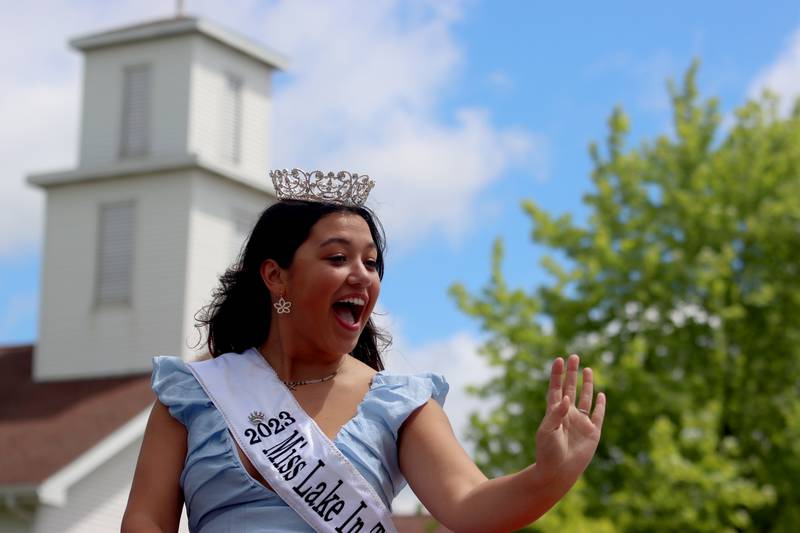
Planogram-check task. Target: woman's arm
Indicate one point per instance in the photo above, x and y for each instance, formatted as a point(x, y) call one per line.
point(155, 502)
point(455, 491)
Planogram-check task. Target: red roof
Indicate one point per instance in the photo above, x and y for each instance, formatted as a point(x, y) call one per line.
point(46, 426)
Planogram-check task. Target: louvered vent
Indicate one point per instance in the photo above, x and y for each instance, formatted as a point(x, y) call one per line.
point(115, 252)
point(231, 127)
point(135, 111)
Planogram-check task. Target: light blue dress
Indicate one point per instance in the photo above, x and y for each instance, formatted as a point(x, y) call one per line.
point(221, 497)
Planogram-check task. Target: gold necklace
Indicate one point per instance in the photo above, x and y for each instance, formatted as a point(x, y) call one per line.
point(294, 384)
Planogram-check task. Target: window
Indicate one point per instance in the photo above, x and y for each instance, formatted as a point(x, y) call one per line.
point(115, 252)
point(134, 138)
point(231, 127)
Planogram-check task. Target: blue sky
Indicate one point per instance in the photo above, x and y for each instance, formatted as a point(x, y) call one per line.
point(558, 71)
point(459, 110)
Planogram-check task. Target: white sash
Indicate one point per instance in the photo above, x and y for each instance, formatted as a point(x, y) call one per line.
point(287, 447)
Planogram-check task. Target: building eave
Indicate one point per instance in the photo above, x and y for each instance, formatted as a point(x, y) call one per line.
point(177, 26)
point(147, 166)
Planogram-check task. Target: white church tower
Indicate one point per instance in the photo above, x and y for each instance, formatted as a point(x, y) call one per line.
point(172, 172)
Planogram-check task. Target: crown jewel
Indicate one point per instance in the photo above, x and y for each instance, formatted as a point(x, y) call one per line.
point(343, 187)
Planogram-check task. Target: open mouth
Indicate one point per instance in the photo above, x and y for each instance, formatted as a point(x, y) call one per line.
point(349, 310)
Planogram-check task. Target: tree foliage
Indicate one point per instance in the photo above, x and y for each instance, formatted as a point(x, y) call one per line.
point(683, 293)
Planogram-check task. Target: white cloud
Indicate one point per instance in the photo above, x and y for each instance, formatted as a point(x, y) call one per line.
point(431, 175)
point(363, 93)
point(40, 104)
point(781, 77)
point(457, 358)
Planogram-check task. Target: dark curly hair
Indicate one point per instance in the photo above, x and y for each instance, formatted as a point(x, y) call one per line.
point(240, 311)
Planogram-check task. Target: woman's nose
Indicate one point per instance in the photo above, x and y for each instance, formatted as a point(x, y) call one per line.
point(359, 276)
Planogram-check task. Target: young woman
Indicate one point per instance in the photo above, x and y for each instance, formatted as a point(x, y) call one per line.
point(296, 309)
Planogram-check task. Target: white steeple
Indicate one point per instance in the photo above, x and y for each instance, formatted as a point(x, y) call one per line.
point(172, 171)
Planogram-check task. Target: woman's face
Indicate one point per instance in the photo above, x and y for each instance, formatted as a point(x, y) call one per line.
point(333, 284)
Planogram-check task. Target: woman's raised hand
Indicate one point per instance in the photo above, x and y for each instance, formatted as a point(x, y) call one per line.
point(568, 435)
point(463, 499)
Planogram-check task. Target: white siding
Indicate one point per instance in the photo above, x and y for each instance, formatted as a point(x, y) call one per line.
point(202, 98)
point(243, 221)
point(183, 220)
point(112, 339)
point(167, 120)
point(96, 503)
point(213, 64)
point(211, 227)
point(189, 102)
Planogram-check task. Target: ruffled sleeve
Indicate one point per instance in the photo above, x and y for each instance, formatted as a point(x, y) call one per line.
point(369, 440)
point(393, 397)
point(176, 388)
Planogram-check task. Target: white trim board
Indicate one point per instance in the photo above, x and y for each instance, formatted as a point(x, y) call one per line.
point(53, 491)
point(176, 26)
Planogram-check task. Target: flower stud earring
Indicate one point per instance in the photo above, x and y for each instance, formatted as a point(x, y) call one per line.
point(283, 306)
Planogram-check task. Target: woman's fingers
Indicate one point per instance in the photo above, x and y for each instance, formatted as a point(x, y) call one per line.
point(599, 410)
point(571, 382)
point(562, 391)
point(554, 391)
point(587, 391)
point(554, 416)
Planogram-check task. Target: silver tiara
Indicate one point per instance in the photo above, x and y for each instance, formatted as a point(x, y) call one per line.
point(343, 187)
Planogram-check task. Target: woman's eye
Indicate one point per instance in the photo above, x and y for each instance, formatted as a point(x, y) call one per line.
point(371, 264)
point(339, 259)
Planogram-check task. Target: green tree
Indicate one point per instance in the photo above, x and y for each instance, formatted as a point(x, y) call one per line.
point(683, 293)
